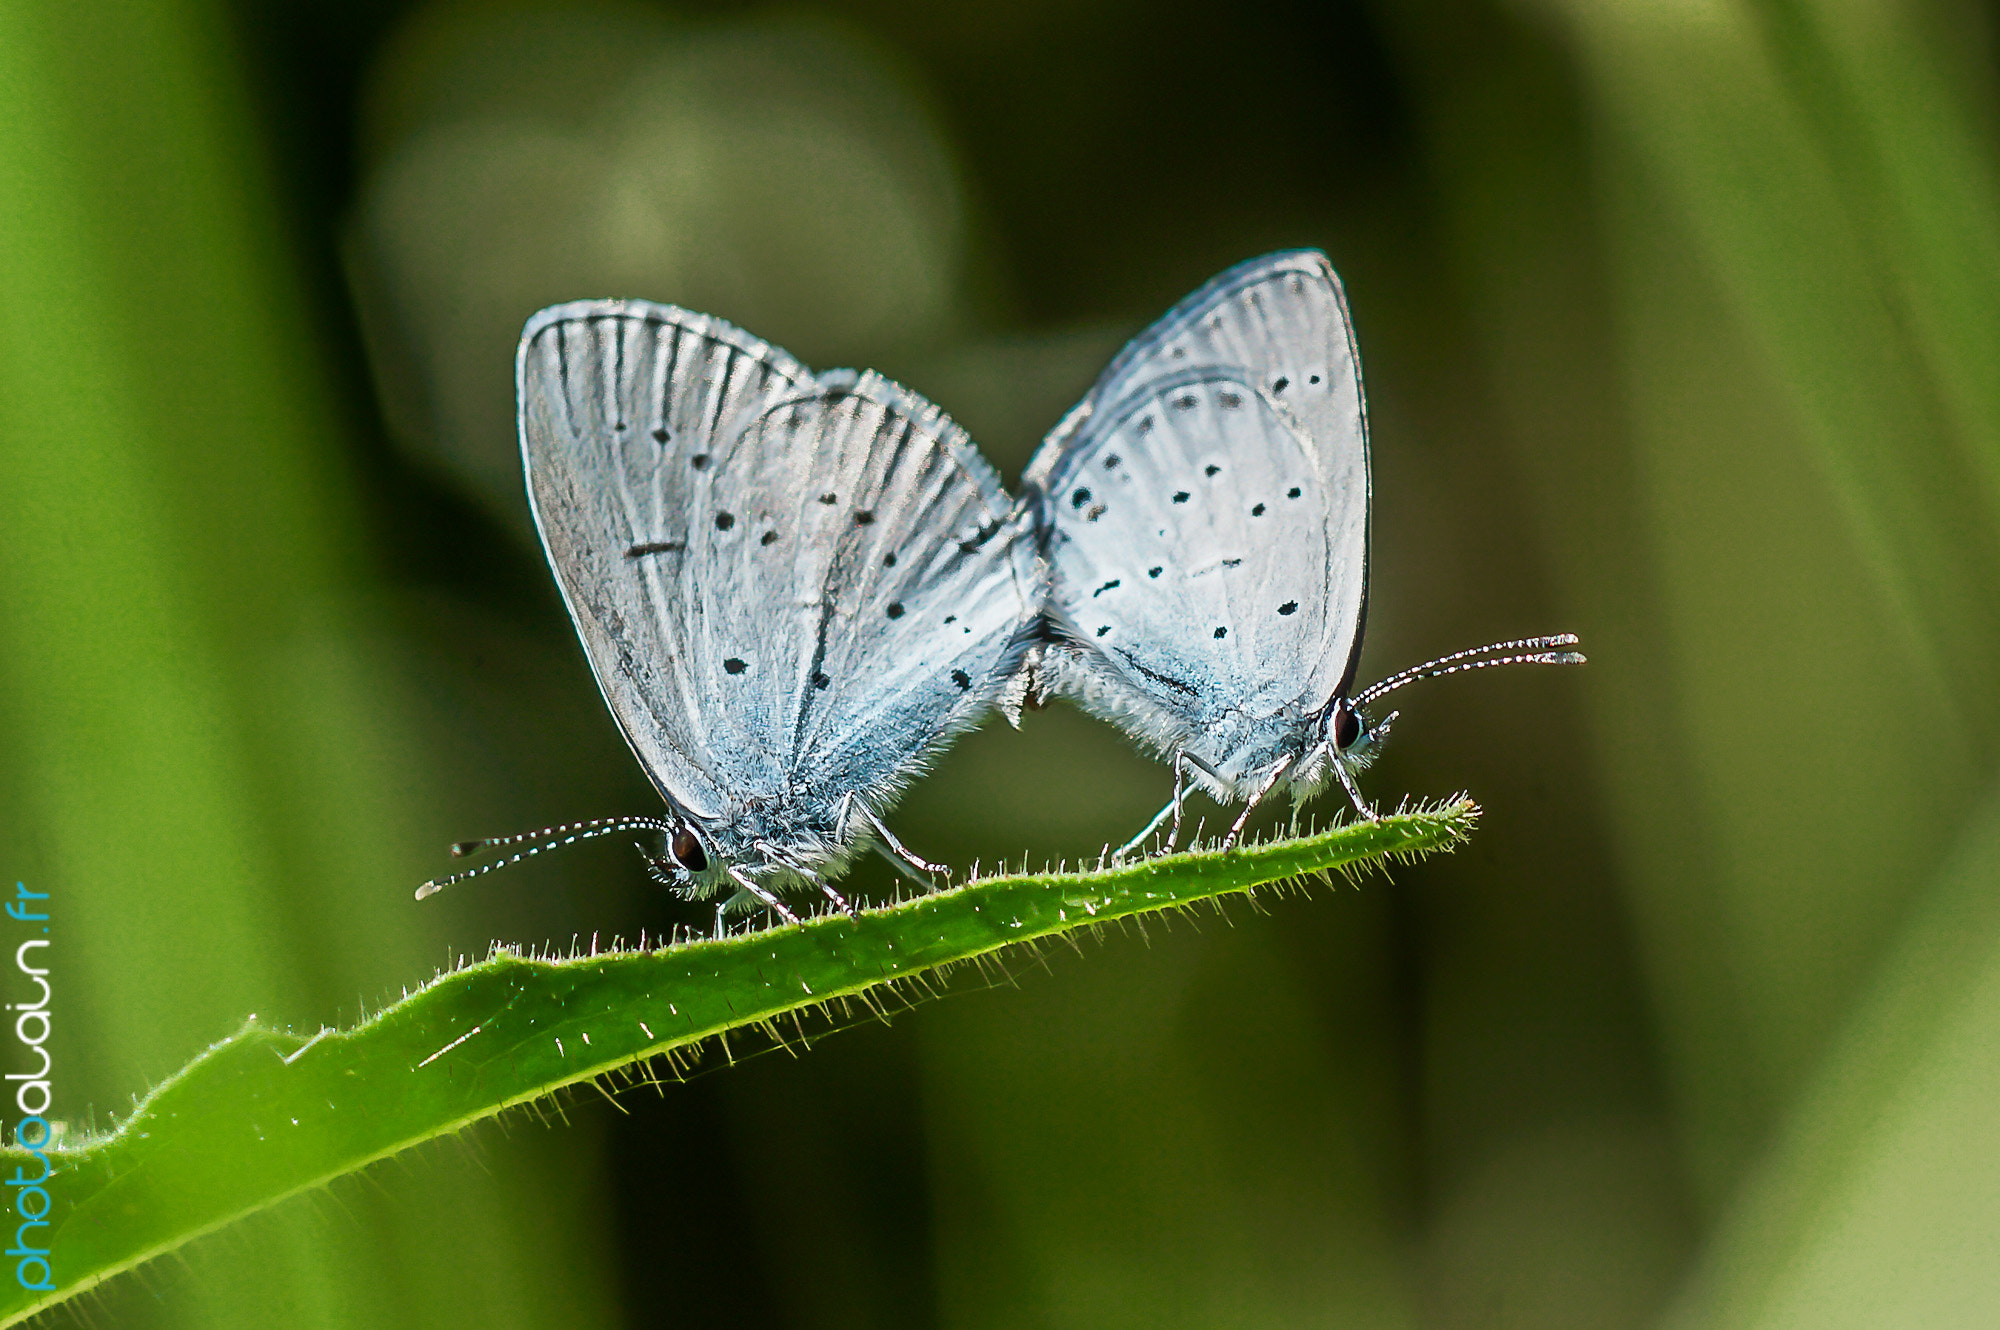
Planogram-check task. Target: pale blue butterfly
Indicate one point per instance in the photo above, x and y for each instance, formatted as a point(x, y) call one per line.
point(793, 588)
point(1203, 521)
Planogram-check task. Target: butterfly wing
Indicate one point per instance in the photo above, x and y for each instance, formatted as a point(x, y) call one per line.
point(760, 561)
point(1204, 517)
point(919, 613)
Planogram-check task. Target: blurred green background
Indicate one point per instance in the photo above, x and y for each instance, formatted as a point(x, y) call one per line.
point(1681, 321)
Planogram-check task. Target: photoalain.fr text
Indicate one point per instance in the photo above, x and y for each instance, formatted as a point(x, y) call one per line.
point(32, 1096)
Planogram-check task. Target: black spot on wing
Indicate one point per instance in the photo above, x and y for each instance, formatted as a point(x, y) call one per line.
point(895, 609)
point(829, 498)
point(768, 538)
point(734, 666)
point(1097, 510)
point(820, 680)
point(723, 521)
point(1280, 384)
point(1292, 493)
point(661, 436)
point(1210, 469)
point(962, 679)
point(1289, 607)
point(889, 560)
point(1228, 401)
point(1112, 585)
point(1153, 572)
point(1111, 462)
point(699, 461)
point(1080, 498)
point(1103, 630)
point(1221, 633)
point(1185, 402)
point(1180, 496)
point(864, 518)
point(1257, 511)
point(655, 547)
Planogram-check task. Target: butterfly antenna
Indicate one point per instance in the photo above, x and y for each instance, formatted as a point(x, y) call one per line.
point(549, 838)
point(1524, 651)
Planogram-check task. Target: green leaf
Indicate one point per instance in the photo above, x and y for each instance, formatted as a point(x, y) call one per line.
point(265, 1114)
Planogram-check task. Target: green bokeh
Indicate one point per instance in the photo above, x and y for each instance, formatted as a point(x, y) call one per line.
point(1680, 323)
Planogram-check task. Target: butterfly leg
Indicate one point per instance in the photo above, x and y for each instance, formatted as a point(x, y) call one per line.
point(903, 866)
point(1270, 782)
point(1353, 791)
point(1172, 809)
point(1183, 760)
point(777, 856)
point(757, 889)
point(852, 802)
point(840, 902)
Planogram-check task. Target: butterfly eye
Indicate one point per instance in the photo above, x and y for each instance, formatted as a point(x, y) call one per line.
point(1346, 727)
point(687, 851)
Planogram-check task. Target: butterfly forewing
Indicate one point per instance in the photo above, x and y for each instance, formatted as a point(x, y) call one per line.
point(1204, 514)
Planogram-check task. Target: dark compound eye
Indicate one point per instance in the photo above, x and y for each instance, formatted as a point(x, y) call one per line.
point(1346, 728)
point(687, 851)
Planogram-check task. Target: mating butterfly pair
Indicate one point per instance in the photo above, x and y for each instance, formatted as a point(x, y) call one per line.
point(795, 588)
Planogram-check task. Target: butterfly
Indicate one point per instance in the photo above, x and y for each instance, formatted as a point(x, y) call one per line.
point(793, 588)
point(1202, 520)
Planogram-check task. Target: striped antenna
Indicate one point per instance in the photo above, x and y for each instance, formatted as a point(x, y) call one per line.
point(549, 838)
point(1527, 651)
